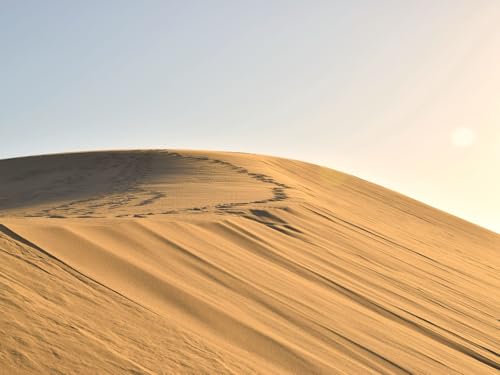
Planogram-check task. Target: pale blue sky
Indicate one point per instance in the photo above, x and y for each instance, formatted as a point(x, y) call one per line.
point(374, 88)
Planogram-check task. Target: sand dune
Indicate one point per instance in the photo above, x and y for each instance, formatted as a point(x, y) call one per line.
point(161, 262)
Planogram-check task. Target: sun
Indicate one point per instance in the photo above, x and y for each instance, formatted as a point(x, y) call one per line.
point(463, 137)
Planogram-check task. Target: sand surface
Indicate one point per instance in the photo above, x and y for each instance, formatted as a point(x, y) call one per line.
point(166, 262)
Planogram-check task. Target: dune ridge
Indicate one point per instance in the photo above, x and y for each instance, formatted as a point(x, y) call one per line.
point(179, 261)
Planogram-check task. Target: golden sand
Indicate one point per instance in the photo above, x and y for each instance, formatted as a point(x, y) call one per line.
point(165, 262)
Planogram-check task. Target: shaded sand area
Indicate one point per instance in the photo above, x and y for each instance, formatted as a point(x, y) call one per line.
point(162, 262)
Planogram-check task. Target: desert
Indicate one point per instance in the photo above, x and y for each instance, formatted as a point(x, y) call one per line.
point(178, 261)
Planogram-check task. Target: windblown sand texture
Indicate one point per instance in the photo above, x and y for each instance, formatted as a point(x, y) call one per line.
point(166, 262)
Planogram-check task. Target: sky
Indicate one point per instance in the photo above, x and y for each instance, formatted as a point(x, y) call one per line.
point(405, 94)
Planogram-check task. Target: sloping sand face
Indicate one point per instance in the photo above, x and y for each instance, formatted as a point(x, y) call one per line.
point(197, 262)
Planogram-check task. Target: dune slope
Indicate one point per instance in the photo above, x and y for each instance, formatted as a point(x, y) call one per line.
point(202, 262)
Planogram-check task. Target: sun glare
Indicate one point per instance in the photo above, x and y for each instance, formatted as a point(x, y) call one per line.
point(463, 137)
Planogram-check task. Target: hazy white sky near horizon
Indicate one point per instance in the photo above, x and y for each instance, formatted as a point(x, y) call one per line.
point(403, 93)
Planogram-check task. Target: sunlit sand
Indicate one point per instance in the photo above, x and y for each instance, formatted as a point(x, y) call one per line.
point(163, 262)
